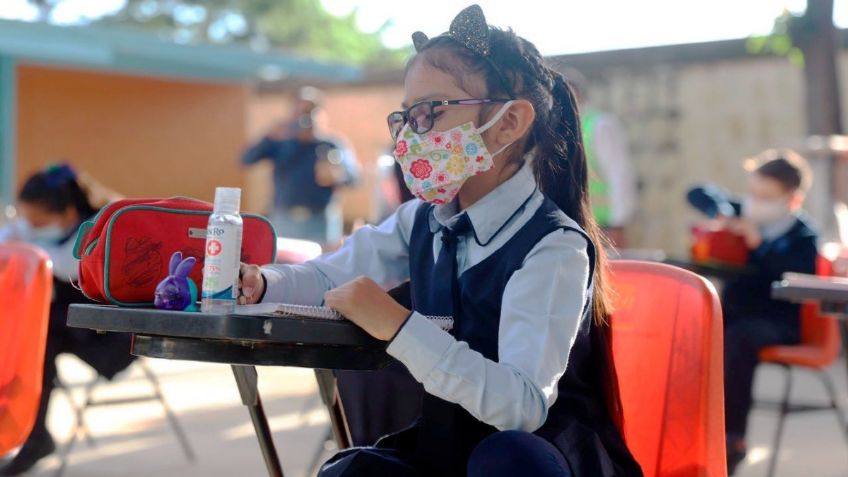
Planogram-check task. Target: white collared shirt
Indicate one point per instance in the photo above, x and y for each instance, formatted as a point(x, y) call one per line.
point(540, 310)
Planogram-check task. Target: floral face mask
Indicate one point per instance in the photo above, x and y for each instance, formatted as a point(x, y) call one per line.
point(436, 164)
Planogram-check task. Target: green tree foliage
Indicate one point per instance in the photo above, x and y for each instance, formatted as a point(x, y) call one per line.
point(299, 26)
point(809, 40)
point(303, 23)
point(780, 41)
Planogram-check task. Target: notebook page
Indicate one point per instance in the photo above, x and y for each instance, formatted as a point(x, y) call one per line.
point(320, 312)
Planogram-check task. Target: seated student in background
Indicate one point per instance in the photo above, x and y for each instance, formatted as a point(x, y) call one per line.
point(53, 205)
point(780, 240)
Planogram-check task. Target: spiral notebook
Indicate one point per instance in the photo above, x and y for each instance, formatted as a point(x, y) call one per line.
point(321, 312)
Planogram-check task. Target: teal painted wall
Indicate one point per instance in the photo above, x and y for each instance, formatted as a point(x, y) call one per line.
point(7, 130)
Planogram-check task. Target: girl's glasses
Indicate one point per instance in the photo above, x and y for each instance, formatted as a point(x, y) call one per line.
point(421, 116)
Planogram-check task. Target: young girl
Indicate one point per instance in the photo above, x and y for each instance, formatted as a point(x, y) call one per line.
point(501, 239)
point(53, 204)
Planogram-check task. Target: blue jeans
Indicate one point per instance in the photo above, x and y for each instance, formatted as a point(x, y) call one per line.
point(503, 454)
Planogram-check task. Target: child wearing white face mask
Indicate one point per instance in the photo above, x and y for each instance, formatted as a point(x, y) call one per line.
point(780, 240)
point(53, 204)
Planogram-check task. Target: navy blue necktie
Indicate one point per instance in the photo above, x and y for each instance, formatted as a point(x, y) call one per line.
point(435, 444)
point(444, 293)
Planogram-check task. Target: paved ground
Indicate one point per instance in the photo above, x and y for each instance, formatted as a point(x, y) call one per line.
point(135, 440)
point(813, 444)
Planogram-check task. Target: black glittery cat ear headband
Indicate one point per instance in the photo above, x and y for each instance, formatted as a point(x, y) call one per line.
point(470, 30)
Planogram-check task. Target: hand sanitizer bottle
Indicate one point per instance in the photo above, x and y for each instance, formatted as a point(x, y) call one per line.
point(223, 253)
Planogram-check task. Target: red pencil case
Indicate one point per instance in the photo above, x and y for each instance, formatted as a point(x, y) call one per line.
point(124, 251)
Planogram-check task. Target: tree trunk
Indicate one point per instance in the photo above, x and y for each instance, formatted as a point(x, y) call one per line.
point(817, 39)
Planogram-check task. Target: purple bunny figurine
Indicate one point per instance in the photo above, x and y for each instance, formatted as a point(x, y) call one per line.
point(177, 291)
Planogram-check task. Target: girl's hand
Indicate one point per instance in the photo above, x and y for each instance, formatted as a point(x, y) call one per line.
point(251, 284)
point(363, 302)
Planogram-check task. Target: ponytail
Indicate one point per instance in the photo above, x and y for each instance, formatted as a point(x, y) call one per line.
point(561, 149)
point(562, 172)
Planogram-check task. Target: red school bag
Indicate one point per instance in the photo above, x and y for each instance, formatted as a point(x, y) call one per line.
point(124, 251)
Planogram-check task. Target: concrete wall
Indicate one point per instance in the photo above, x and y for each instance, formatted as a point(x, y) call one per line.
point(696, 121)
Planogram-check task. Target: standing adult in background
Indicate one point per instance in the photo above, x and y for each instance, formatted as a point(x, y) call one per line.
point(309, 166)
point(611, 181)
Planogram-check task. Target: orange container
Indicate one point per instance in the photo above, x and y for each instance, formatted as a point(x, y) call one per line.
point(712, 244)
point(26, 284)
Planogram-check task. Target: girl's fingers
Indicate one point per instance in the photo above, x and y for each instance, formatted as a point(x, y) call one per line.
point(330, 298)
point(336, 299)
point(250, 283)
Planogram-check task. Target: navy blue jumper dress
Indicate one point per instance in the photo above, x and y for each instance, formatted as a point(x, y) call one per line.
point(445, 435)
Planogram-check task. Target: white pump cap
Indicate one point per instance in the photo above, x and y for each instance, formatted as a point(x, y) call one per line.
point(227, 200)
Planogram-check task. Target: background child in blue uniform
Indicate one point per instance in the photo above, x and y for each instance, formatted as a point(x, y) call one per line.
point(501, 238)
point(780, 240)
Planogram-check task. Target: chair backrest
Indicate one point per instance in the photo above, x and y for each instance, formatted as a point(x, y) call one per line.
point(26, 281)
point(667, 342)
point(817, 330)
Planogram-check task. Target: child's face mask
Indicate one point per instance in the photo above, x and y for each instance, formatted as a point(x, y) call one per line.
point(764, 212)
point(436, 164)
point(49, 234)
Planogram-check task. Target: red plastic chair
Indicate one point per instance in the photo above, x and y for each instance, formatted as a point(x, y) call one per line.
point(667, 344)
point(818, 349)
point(26, 285)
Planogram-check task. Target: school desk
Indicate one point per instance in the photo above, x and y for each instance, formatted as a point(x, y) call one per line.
point(831, 296)
point(832, 299)
point(243, 342)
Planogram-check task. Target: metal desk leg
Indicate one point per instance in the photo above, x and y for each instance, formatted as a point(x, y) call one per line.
point(843, 327)
point(330, 397)
point(246, 379)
